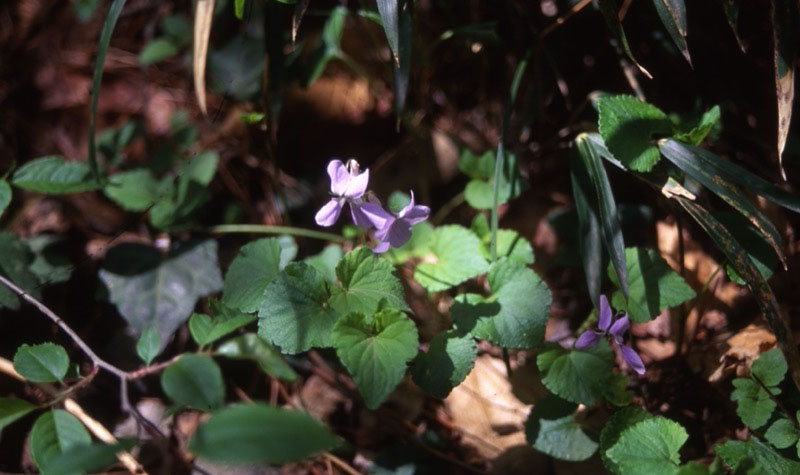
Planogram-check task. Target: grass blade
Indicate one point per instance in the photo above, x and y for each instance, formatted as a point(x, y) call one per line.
point(589, 238)
point(390, 16)
point(673, 16)
point(203, 16)
point(610, 11)
point(102, 49)
point(784, 24)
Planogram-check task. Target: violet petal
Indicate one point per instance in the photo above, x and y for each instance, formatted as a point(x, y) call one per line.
point(399, 232)
point(357, 185)
point(381, 248)
point(632, 358)
point(328, 214)
point(619, 327)
point(369, 215)
point(340, 177)
point(588, 339)
point(604, 318)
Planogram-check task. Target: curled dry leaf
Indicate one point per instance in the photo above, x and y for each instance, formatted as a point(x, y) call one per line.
point(743, 348)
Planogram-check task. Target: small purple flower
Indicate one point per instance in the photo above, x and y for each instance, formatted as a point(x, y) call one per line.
point(396, 230)
point(590, 338)
point(347, 186)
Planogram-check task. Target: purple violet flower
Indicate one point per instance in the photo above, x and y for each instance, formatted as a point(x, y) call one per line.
point(590, 338)
point(348, 186)
point(396, 230)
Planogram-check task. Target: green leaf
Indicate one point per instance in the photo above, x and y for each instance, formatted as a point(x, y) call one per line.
point(652, 285)
point(178, 29)
point(509, 244)
point(770, 367)
point(325, 262)
point(366, 280)
point(782, 433)
point(610, 11)
point(251, 347)
point(753, 404)
point(588, 231)
point(604, 211)
point(650, 446)
point(5, 196)
point(206, 330)
point(402, 67)
point(551, 429)
point(732, 14)
point(376, 351)
point(82, 458)
point(331, 43)
point(15, 262)
point(390, 17)
point(694, 468)
point(673, 16)
point(238, 9)
point(479, 192)
point(754, 456)
point(54, 433)
point(53, 175)
point(627, 126)
point(448, 361)
point(257, 433)
point(451, 257)
point(157, 50)
point(524, 301)
point(295, 314)
point(685, 157)
point(253, 269)
point(150, 290)
point(43, 363)
point(616, 425)
point(708, 122)
point(758, 249)
point(50, 263)
point(194, 381)
point(149, 345)
point(784, 39)
point(134, 190)
point(12, 409)
point(575, 375)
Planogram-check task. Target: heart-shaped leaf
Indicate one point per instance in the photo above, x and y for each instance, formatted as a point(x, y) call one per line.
point(253, 269)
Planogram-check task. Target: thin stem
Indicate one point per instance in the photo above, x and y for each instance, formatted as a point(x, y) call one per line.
point(448, 208)
point(66, 328)
point(681, 308)
point(268, 229)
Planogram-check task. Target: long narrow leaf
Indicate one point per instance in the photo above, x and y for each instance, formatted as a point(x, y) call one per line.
point(402, 68)
point(686, 159)
point(589, 238)
point(610, 10)
point(673, 16)
point(731, 8)
point(739, 260)
point(102, 49)
point(203, 16)
point(609, 218)
point(784, 24)
point(736, 174)
point(390, 16)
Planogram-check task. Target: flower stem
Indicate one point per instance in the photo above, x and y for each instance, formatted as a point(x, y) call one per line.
point(267, 229)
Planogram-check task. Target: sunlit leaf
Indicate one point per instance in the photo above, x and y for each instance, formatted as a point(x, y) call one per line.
point(157, 50)
point(649, 446)
point(628, 126)
point(451, 256)
point(253, 269)
point(616, 425)
point(365, 282)
point(43, 363)
point(82, 458)
point(579, 376)
point(206, 330)
point(251, 347)
point(54, 175)
point(134, 190)
point(784, 34)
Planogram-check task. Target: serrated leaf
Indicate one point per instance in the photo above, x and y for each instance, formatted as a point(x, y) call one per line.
point(753, 404)
point(754, 456)
point(610, 11)
point(149, 345)
point(12, 409)
point(446, 364)
point(628, 126)
point(15, 261)
point(366, 280)
point(551, 429)
point(295, 314)
point(53, 175)
point(150, 290)
point(157, 50)
point(257, 433)
point(479, 192)
point(616, 425)
point(782, 433)
point(325, 262)
point(43, 363)
point(206, 330)
point(524, 306)
point(509, 244)
point(673, 16)
point(452, 256)
point(708, 122)
point(685, 157)
point(253, 269)
point(770, 368)
point(652, 285)
point(5, 196)
point(578, 376)
point(650, 446)
point(134, 190)
point(376, 351)
point(82, 458)
point(54, 433)
point(251, 347)
point(599, 206)
point(194, 381)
